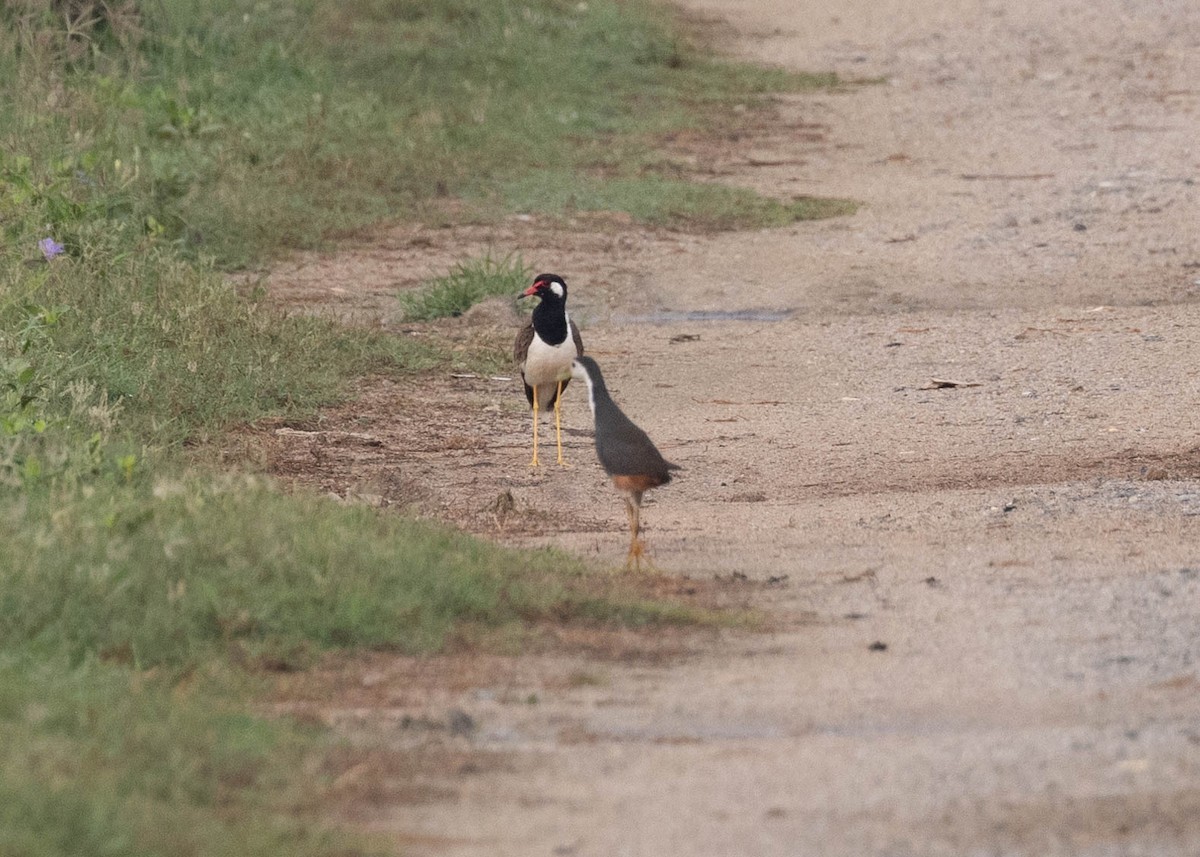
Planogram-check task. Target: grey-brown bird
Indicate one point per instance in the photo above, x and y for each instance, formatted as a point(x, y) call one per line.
point(543, 352)
point(626, 453)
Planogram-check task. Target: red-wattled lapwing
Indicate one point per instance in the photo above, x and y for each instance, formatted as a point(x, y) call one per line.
point(627, 455)
point(544, 350)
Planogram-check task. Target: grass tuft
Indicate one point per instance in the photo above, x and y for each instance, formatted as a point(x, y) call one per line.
point(468, 283)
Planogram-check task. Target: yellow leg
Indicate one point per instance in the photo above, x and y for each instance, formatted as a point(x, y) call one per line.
point(558, 423)
point(534, 463)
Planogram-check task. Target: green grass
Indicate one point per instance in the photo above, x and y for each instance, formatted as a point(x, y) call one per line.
point(468, 283)
point(173, 572)
point(663, 201)
point(170, 350)
point(97, 760)
point(131, 609)
point(233, 128)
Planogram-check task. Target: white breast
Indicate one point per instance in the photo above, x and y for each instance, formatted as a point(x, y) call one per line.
point(545, 363)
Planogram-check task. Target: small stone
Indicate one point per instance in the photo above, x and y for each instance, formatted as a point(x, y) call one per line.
point(878, 646)
point(460, 723)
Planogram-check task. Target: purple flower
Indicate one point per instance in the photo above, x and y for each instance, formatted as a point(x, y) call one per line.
point(50, 248)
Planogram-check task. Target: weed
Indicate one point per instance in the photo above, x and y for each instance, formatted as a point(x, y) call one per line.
point(468, 283)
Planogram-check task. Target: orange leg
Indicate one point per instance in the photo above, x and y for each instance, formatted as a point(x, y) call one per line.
point(636, 546)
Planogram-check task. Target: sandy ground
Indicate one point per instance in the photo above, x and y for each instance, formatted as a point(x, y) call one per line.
point(986, 598)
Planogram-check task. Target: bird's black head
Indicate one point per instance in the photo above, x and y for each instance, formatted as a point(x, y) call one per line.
point(547, 287)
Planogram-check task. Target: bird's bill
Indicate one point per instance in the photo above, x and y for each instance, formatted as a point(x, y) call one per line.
point(532, 290)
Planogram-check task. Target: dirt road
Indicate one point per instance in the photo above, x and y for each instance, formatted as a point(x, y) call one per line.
point(987, 597)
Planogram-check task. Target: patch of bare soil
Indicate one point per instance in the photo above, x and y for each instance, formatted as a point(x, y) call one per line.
point(990, 588)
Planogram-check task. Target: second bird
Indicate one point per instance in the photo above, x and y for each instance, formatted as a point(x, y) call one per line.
point(627, 455)
point(544, 350)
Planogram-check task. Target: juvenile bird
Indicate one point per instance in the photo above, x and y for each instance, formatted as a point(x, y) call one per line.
point(627, 455)
point(543, 352)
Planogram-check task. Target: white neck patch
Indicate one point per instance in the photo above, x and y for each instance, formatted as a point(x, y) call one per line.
point(587, 379)
point(557, 289)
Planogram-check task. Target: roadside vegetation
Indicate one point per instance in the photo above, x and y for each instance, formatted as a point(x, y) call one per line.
point(144, 149)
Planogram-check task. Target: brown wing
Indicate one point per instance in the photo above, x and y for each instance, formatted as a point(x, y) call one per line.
point(521, 346)
point(520, 352)
point(574, 335)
